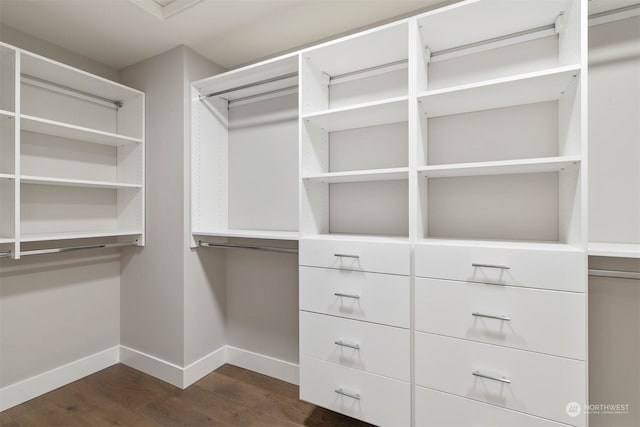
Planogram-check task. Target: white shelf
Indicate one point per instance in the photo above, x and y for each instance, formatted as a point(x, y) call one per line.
point(375, 113)
point(4, 240)
point(392, 174)
point(76, 235)
point(622, 250)
point(64, 130)
point(26, 179)
point(357, 237)
point(600, 6)
point(63, 75)
point(470, 22)
point(529, 88)
point(6, 114)
point(550, 164)
point(251, 234)
point(507, 244)
point(7, 176)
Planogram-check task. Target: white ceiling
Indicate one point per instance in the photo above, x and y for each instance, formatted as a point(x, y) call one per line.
point(119, 33)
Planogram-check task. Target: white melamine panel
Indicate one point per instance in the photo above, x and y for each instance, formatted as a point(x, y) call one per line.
point(614, 132)
point(393, 174)
point(379, 46)
point(514, 59)
point(28, 179)
point(508, 207)
point(505, 167)
point(65, 130)
point(484, 20)
point(7, 144)
point(375, 113)
point(625, 250)
point(377, 298)
point(548, 322)
point(77, 115)
point(563, 268)
point(539, 384)
point(7, 211)
point(263, 165)
point(378, 400)
point(366, 254)
point(359, 89)
point(376, 207)
point(519, 132)
point(530, 88)
point(47, 209)
point(435, 408)
point(381, 350)
point(373, 147)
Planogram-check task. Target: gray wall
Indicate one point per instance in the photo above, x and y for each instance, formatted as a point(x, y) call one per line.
point(56, 309)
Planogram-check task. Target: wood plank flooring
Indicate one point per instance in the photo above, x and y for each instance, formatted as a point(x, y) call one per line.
point(122, 396)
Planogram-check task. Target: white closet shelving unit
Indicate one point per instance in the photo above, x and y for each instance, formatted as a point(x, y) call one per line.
point(244, 152)
point(614, 135)
point(72, 154)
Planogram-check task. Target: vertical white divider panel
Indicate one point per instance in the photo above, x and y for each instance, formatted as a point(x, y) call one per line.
point(16, 151)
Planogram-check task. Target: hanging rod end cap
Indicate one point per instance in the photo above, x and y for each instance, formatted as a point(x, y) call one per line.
point(118, 104)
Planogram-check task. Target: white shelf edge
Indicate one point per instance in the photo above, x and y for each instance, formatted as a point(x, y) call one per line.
point(251, 234)
point(66, 130)
point(5, 113)
point(391, 174)
point(499, 81)
point(357, 237)
point(41, 180)
point(617, 250)
point(43, 237)
point(7, 176)
point(356, 107)
point(505, 167)
point(5, 240)
point(509, 244)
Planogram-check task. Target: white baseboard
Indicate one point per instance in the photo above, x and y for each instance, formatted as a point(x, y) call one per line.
point(204, 366)
point(22, 391)
point(161, 369)
point(45, 382)
point(270, 366)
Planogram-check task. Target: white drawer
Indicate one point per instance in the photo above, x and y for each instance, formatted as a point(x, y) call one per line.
point(379, 298)
point(537, 268)
point(544, 321)
point(437, 409)
point(377, 400)
point(382, 350)
point(380, 257)
point(540, 385)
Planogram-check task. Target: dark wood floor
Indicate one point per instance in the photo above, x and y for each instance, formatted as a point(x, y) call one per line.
point(122, 396)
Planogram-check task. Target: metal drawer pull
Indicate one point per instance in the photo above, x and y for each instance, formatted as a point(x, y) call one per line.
point(491, 316)
point(340, 294)
point(502, 267)
point(346, 256)
point(346, 344)
point(355, 396)
point(489, 377)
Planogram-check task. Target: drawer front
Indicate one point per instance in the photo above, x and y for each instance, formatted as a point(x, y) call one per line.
point(382, 350)
point(379, 298)
point(379, 257)
point(546, 269)
point(375, 399)
point(434, 408)
point(539, 385)
point(538, 320)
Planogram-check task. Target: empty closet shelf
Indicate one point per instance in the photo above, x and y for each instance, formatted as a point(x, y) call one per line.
point(65, 130)
point(26, 179)
point(76, 235)
point(392, 110)
point(251, 234)
point(7, 176)
point(4, 114)
point(621, 250)
point(393, 174)
point(529, 88)
point(550, 164)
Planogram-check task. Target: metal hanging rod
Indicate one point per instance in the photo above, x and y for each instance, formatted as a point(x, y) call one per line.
point(496, 42)
point(249, 85)
point(614, 15)
point(370, 71)
point(65, 90)
point(255, 248)
point(618, 274)
point(263, 96)
point(70, 249)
